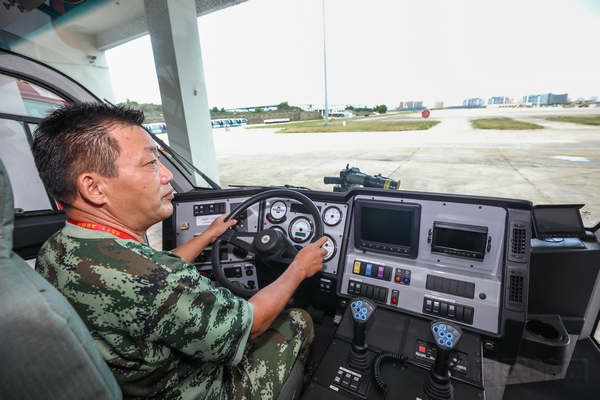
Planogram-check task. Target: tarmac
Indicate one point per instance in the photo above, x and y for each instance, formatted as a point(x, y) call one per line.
point(559, 164)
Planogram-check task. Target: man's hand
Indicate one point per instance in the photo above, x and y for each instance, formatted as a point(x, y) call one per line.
point(218, 227)
point(270, 300)
point(309, 260)
point(190, 250)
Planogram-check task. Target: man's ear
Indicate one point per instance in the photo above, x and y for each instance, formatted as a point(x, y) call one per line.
point(91, 188)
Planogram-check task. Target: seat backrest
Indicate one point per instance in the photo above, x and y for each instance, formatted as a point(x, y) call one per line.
point(46, 351)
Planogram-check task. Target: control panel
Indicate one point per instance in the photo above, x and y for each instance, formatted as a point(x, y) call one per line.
point(437, 258)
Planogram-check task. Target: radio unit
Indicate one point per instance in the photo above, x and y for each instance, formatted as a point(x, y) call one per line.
point(465, 241)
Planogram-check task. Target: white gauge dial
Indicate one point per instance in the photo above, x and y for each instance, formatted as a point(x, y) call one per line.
point(278, 209)
point(332, 216)
point(301, 229)
point(331, 248)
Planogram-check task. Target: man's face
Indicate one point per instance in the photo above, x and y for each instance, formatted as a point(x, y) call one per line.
point(141, 195)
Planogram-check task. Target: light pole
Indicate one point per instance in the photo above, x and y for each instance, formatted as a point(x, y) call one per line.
point(325, 67)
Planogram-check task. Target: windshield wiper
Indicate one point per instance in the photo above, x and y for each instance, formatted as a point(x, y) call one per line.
point(182, 161)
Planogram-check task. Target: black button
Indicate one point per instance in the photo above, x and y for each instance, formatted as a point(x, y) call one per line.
point(459, 313)
point(362, 388)
point(428, 305)
point(468, 315)
point(346, 380)
point(436, 307)
point(383, 295)
point(354, 384)
point(451, 310)
point(375, 293)
point(443, 309)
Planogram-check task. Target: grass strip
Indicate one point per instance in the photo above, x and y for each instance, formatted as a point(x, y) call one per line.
point(337, 125)
point(577, 120)
point(503, 124)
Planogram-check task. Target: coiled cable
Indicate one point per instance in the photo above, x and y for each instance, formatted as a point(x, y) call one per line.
point(384, 356)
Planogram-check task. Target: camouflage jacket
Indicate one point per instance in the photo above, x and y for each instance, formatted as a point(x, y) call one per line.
point(160, 326)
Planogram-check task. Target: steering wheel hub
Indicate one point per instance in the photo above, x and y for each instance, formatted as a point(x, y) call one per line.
point(268, 242)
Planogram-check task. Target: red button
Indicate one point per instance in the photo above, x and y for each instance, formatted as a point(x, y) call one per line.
point(421, 349)
point(397, 278)
point(394, 300)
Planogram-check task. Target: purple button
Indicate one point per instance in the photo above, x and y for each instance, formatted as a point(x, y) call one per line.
point(380, 271)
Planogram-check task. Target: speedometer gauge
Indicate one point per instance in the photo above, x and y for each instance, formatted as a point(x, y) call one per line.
point(301, 229)
point(332, 216)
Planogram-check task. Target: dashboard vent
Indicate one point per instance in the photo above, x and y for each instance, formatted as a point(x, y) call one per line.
point(519, 237)
point(515, 291)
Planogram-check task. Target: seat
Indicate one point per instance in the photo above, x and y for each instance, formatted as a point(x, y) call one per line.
point(46, 351)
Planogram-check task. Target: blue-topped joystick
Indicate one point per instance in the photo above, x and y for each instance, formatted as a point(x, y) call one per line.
point(446, 335)
point(438, 386)
point(362, 309)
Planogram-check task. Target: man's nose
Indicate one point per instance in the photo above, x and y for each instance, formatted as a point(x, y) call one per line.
point(165, 175)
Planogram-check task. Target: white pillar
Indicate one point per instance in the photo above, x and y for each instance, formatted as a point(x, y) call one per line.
point(173, 29)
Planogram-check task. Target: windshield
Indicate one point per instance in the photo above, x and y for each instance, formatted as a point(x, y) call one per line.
point(478, 98)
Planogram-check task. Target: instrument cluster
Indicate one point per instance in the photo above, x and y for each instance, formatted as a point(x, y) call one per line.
point(296, 222)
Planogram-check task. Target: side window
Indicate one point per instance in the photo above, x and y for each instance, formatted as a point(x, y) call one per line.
point(28, 189)
point(18, 97)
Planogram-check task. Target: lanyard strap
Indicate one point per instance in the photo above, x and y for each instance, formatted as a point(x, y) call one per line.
point(99, 227)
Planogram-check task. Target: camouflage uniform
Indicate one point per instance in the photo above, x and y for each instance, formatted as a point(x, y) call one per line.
point(161, 327)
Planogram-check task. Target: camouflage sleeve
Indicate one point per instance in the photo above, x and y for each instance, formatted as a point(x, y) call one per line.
point(206, 323)
point(139, 303)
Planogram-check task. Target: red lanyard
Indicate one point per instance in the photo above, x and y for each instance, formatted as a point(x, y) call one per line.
point(98, 227)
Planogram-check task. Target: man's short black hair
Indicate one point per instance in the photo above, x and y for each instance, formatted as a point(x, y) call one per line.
point(75, 139)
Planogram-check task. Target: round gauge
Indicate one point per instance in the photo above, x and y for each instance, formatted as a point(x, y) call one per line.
point(301, 229)
point(331, 248)
point(332, 216)
point(278, 209)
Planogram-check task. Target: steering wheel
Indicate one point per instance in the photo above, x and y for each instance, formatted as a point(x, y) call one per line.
point(268, 244)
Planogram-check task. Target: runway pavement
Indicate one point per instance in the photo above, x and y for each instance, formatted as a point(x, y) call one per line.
point(557, 164)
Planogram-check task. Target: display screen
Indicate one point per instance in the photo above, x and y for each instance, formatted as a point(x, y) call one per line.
point(554, 221)
point(459, 240)
point(388, 227)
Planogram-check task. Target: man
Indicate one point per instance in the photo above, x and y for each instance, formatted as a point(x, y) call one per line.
point(160, 326)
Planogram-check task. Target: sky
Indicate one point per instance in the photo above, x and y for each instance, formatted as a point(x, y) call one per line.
point(382, 52)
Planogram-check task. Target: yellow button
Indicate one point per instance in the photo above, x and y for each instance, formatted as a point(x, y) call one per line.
point(357, 267)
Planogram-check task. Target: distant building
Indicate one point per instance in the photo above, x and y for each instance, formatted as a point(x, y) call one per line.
point(332, 108)
point(539, 100)
point(410, 105)
point(473, 102)
point(499, 100)
point(438, 105)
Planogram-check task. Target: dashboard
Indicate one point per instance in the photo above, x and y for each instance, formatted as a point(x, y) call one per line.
point(461, 258)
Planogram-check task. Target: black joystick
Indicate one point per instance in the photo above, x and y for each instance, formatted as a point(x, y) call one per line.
point(437, 385)
point(361, 310)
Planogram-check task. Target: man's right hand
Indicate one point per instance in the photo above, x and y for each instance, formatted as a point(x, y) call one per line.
point(269, 301)
point(310, 259)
